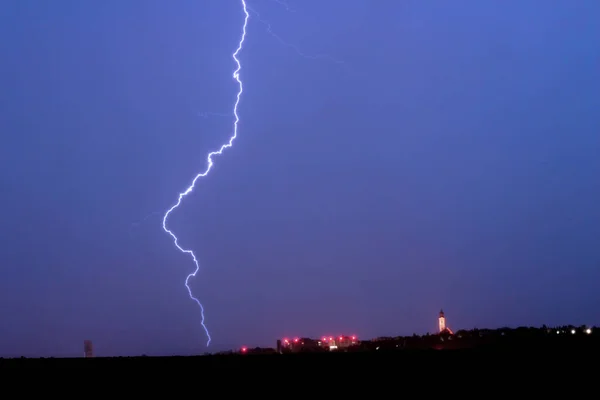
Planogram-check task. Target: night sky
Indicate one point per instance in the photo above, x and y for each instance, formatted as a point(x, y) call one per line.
point(449, 158)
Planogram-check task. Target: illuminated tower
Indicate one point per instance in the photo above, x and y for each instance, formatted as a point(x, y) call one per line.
point(88, 349)
point(442, 321)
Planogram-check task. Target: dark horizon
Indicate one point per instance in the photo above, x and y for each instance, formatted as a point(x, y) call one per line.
point(394, 158)
point(523, 338)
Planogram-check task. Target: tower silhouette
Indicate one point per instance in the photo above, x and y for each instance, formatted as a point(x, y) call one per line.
point(442, 321)
point(88, 349)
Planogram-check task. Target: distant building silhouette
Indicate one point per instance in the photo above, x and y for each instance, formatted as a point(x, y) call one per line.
point(88, 349)
point(339, 342)
point(327, 343)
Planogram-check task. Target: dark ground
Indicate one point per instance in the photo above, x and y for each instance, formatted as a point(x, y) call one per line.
point(530, 362)
point(516, 357)
point(537, 372)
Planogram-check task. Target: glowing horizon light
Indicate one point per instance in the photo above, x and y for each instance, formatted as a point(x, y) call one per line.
point(236, 77)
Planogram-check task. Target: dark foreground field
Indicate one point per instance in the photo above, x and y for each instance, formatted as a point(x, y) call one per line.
point(501, 357)
point(468, 373)
point(507, 368)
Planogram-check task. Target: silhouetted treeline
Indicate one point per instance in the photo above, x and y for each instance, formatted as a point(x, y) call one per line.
point(522, 337)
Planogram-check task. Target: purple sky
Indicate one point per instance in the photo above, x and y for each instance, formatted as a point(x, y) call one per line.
point(450, 162)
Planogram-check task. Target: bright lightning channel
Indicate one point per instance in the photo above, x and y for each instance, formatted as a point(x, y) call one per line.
point(236, 76)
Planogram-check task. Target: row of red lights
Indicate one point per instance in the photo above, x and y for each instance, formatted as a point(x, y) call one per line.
point(324, 339)
point(296, 340)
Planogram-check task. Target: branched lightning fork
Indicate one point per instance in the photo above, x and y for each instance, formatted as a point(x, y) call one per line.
point(207, 114)
point(140, 222)
point(291, 46)
point(236, 76)
point(285, 4)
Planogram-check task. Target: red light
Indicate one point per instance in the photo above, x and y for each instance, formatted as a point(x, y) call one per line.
point(244, 349)
point(324, 339)
point(330, 338)
point(353, 337)
point(341, 337)
point(296, 340)
point(286, 341)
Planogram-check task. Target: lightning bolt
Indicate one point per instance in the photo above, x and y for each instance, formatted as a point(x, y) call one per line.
point(209, 159)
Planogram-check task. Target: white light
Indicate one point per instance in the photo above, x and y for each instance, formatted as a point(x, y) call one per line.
point(573, 331)
point(588, 331)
